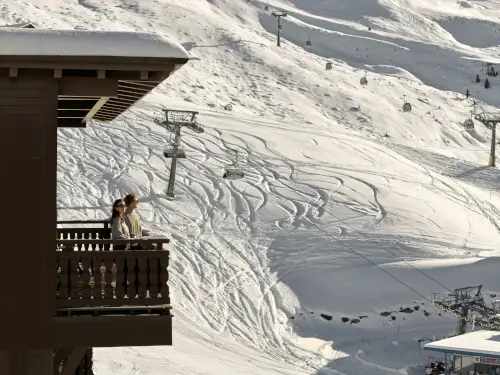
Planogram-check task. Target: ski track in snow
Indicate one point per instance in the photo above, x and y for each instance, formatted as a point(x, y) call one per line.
point(220, 275)
point(318, 167)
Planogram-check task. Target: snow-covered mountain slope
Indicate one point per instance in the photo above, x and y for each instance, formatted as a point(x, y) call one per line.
point(333, 217)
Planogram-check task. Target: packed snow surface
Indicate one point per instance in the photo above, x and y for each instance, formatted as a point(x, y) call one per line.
point(324, 258)
point(39, 42)
point(483, 342)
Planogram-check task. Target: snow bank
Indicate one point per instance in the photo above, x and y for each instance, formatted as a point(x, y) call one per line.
point(36, 42)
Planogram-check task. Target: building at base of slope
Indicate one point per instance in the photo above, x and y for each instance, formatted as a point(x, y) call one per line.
point(475, 353)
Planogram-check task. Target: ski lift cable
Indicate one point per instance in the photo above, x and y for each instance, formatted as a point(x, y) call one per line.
point(387, 250)
point(372, 263)
point(371, 240)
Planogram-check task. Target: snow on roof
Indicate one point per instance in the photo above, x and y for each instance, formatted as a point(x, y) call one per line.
point(478, 342)
point(20, 25)
point(38, 42)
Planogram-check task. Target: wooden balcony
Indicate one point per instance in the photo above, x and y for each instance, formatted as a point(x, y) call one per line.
point(104, 285)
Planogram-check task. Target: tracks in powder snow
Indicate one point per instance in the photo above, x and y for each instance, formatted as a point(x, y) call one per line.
point(222, 230)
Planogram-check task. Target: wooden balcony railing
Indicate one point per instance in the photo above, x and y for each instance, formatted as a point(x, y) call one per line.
point(90, 273)
point(84, 229)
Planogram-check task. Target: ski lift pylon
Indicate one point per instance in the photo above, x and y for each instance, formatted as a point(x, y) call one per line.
point(232, 172)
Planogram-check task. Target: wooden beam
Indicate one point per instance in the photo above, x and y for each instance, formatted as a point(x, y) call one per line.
point(71, 123)
point(57, 73)
point(75, 98)
point(109, 331)
point(72, 105)
point(96, 108)
point(150, 85)
point(13, 72)
point(135, 96)
point(59, 355)
point(84, 86)
point(116, 106)
point(144, 75)
point(73, 360)
point(118, 63)
point(101, 74)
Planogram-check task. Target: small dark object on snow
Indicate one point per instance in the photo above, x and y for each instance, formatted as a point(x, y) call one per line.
point(426, 313)
point(416, 308)
point(406, 310)
point(345, 320)
point(355, 321)
point(385, 313)
point(327, 317)
point(393, 317)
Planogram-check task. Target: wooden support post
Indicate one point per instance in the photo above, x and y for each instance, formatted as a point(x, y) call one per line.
point(73, 360)
point(29, 362)
point(59, 356)
point(37, 362)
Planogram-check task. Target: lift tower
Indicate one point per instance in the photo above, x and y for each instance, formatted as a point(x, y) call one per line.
point(173, 121)
point(278, 15)
point(490, 120)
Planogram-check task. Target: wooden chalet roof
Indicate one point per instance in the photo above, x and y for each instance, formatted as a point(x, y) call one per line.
point(101, 74)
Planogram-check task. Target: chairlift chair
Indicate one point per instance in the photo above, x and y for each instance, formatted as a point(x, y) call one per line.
point(266, 7)
point(469, 124)
point(308, 42)
point(406, 106)
point(329, 66)
point(280, 27)
point(232, 172)
point(363, 81)
point(174, 153)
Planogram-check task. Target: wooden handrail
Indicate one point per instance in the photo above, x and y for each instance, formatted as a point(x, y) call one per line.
point(105, 222)
point(105, 244)
point(142, 241)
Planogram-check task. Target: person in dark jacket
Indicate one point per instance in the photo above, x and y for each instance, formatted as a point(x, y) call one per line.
point(119, 229)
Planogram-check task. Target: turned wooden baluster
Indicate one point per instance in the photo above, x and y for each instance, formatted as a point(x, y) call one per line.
point(131, 276)
point(120, 278)
point(154, 263)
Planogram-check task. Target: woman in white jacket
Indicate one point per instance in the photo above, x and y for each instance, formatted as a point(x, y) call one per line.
point(119, 230)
